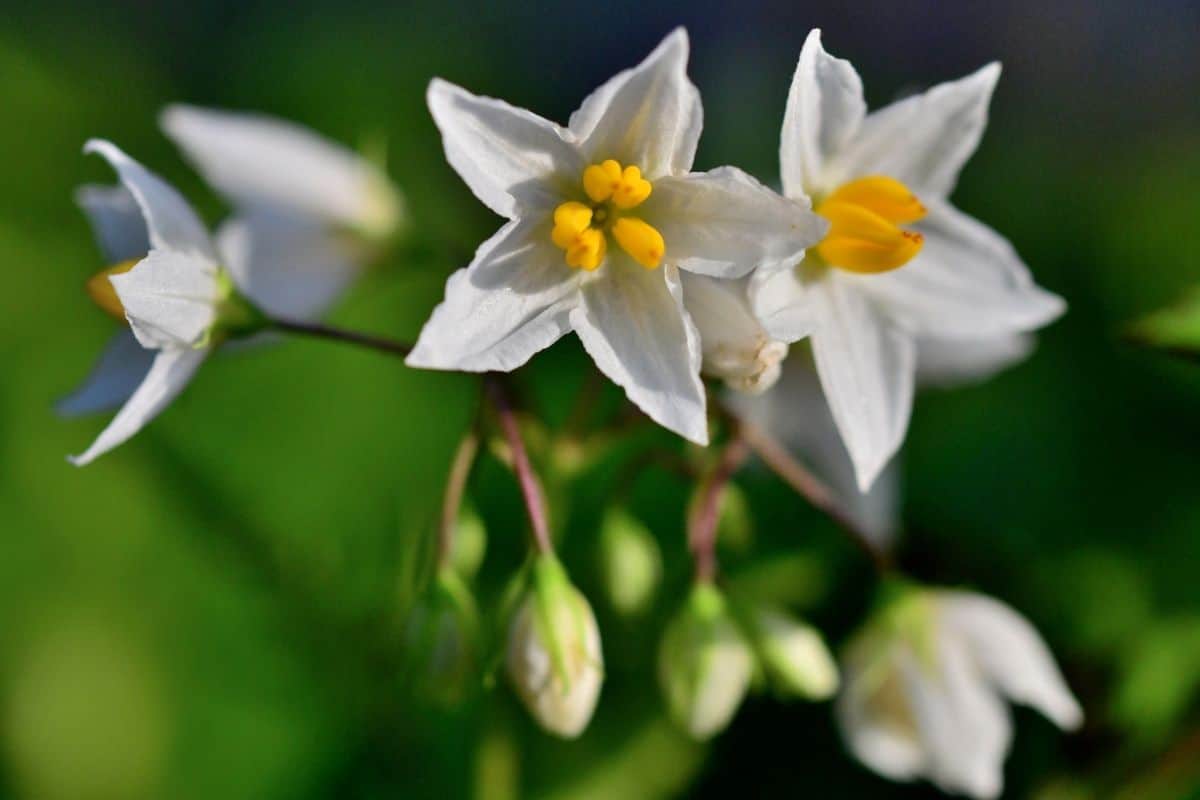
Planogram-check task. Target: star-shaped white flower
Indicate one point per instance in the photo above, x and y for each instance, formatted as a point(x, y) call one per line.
point(307, 210)
point(900, 264)
point(172, 297)
point(604, 214)
point(925, 686)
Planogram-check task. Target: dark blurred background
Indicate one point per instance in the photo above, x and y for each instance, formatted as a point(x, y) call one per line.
point(210, 611)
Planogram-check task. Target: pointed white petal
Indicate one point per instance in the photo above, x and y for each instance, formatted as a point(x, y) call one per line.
point(964, 726)
point(954, 362)
point(967, 282)
point(825, 108)
point(256, 160)
point(922, 141)
point(510, 157)
point(735, 347)
point(291, 267)
point(633, 325)
point(169, 298)
point(649, 116)
point(873, 714)
point(866, 366)
point(511, 302)
point(1012, 655)
point(116, 222)
point(724, 223)
point(171, 222)
point(783, 303)
point(118, 371)
point(171, 371)
point(795, 413)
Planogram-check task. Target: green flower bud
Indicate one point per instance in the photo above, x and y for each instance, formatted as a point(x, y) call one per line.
point(630, 562)
point(553, 656)
point(470, 542)
point(442, 636)
point(795, 657)
point(705, 664)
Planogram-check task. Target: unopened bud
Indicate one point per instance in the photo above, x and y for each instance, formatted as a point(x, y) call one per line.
point(553, 656)
point(630, 562)
point(705, 664)
point(442, 635)
point(795, 656)
point(470, 542)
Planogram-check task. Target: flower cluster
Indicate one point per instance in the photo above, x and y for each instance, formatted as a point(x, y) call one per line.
point(820, 308)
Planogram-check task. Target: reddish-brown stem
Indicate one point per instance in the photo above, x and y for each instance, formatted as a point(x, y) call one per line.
point(706, 513)
point(531, 489)
point(456, 484)
point(318, 330)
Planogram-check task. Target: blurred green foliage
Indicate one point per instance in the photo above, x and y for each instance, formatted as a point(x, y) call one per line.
point(215, 609)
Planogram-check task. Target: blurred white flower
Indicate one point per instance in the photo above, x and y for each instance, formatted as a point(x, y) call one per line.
point(925, 685)
point(307, 210)
point(604, 214)
point(553, 654)
point(704, 664)
point(177, 299)
point(900, 264)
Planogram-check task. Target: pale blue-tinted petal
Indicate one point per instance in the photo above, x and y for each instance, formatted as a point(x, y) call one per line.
point(117, 373)
point(116, 220)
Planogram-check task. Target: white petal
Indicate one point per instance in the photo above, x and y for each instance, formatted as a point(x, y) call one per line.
point(922, 141)
point(116, 222)
point(964, 727)
point(967, 282)
point(254, 159)
point(649, 116)
point(866, 366)
point(633, 325)
point(511, 302)
point(1011, 654)
point(724, 223)
point(784, 303)
point(795, 413)
point(825, 108)
point(171, 371)
point(510, 157)
point(118, 371)
point(169, 298)
point(874, 716)
point(171, 222)
point(953, 362)
point(291, 267)
point(735, 347)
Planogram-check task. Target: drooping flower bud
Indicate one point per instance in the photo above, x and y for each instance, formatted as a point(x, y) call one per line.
point(553, 655)
point(470, 542)
point(442, 636)
point(705, 664)
point(630, 562)
point(735, 347)
point(794, 655)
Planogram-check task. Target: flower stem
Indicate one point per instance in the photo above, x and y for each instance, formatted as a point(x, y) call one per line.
point(811, 488)
point(702, 524)
point(531, 488)
point(456, 484)
point(320, 331)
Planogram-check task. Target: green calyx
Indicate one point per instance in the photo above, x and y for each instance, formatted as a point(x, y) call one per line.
point(236, 316)
point(559, 620)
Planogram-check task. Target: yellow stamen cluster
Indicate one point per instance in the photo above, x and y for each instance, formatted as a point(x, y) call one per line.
point(580, 229)
point(101, 290)
point(865, 217)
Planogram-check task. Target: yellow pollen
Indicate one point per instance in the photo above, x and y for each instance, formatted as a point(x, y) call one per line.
point(581, 230)
point(864, 234)
point(101, 290)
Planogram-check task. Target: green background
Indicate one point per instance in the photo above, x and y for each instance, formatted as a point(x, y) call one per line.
point(213, 609)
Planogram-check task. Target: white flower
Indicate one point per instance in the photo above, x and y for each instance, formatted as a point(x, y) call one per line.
point(307, 209)
point(603, 216)
point(925, 686)
point(900, 264)
point(174, 297)
point(553, 655)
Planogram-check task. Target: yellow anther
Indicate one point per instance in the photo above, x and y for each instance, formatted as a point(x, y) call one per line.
point(101, 290)
point(601, 180)
point(887, 197)
point(587, 251)
point(864, 233)
point(584, 245)
point(640, 240)
point(632, 190)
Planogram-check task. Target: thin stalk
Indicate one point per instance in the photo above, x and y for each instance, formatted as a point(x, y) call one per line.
point(531, 488)
point(702, 525)
point(456, 484)
point(318, 330)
